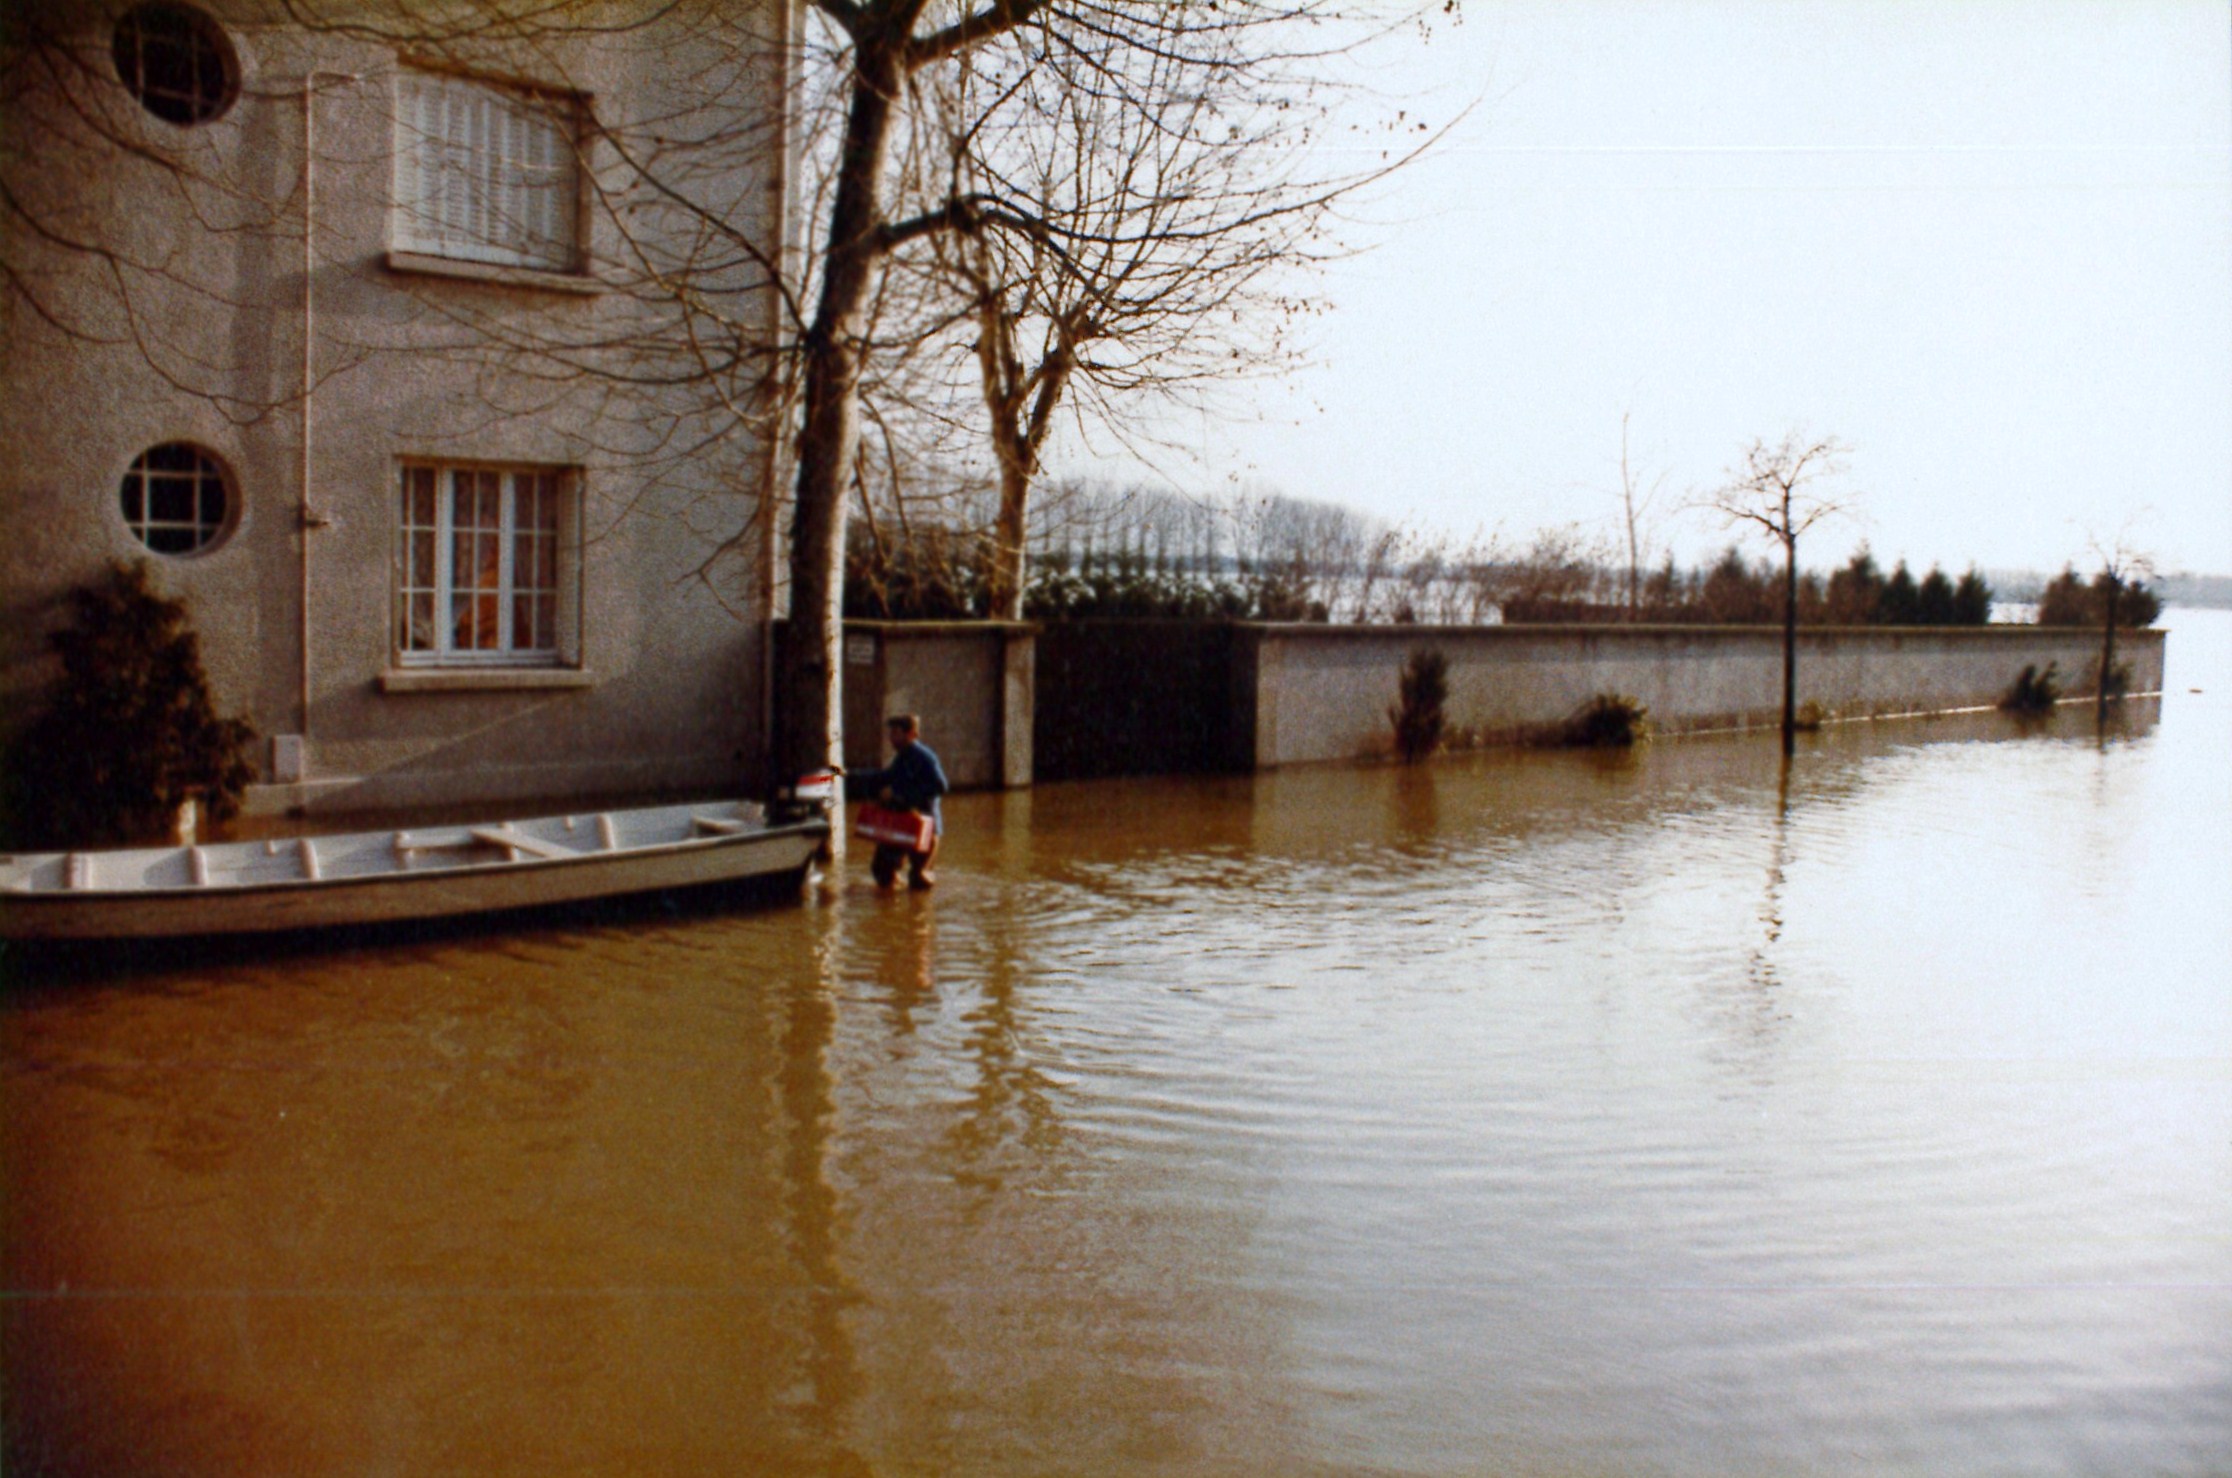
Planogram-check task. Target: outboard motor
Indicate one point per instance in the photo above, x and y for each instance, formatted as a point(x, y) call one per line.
point(812, 794)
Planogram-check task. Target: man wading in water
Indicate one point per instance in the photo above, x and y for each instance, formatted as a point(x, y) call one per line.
point(913, 781)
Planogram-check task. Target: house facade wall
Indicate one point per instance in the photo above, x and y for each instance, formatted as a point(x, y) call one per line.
point(314, 375)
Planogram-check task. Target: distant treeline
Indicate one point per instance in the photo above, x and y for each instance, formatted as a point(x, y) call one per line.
point(2207, 591)
point(1144, 554)
point(1735, 591)
point(2071, 600)
point(2212, 591)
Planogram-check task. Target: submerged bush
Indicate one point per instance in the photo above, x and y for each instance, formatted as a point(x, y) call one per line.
point(2034, 691)
point(1418, 717)
point(1607, 721)
point(130, 733)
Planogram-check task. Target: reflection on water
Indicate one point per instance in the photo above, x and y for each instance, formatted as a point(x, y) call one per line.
point(1672, 1112)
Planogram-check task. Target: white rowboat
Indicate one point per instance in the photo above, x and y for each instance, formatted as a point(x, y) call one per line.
point(384, 877)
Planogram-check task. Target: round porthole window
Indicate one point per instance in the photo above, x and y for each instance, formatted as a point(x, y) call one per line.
point(175, 499)
point(177, 63)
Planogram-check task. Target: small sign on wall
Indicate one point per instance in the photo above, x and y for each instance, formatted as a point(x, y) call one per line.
point(860, 651)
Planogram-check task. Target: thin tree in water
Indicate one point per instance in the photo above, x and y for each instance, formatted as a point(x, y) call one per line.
point(2121, 567)
point(1779, 490)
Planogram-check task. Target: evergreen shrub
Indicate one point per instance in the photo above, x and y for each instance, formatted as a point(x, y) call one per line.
point(1418, 714)
point(129, 734)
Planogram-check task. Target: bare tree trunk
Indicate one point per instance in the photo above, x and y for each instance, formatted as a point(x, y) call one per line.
point(1010, 573)
point(1009, 534)
point(2107, 650)
point(1790, 649)
point(829, 435)
point(1019, 443)
point(1002, 371)
point(1634, 578)
point(1635, 553)
point(1633, 509)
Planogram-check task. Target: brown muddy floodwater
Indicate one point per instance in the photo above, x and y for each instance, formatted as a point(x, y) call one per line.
point(1518, 1114)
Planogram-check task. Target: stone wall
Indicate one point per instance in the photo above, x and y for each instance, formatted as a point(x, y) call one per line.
point(1323, 692)
point(969, 681)
point(1136, 697)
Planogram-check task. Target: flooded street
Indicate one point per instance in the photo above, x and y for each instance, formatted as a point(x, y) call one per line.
point(1522, 1113)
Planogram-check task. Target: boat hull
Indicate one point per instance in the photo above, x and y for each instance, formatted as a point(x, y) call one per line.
point(408, 896)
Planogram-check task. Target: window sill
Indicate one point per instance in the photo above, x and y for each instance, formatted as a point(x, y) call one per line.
point(420, 265)
point(483, 679)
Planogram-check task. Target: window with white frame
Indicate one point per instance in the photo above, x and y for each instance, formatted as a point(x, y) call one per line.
point(175, 500)
point(482, 564)
point(486, 172)
point(176, 61)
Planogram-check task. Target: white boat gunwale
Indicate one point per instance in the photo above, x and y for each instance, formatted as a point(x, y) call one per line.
point(400, 874)
point(493, 868)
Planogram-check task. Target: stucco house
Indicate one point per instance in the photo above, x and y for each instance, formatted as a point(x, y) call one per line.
point(428, 360)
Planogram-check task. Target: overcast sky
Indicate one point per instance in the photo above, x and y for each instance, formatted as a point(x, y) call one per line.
point(1986, 242)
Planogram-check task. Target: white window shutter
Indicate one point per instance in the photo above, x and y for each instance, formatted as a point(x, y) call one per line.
point(485, 173)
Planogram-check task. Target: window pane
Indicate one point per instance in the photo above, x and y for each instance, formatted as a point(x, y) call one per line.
point(422, 496)
point(170, 540)
point(474, 626)
point(212, 503)
point(167, 67)
point(546, 623)
point(523, 624)
point(422, 622)
point(420, 569)
point(171, 499)
point(135, 499)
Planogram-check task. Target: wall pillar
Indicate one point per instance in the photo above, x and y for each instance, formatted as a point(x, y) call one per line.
point(1018, 704)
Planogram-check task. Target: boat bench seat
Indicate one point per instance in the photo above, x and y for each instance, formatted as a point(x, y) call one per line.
point(499, 836)
point(720, 825)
